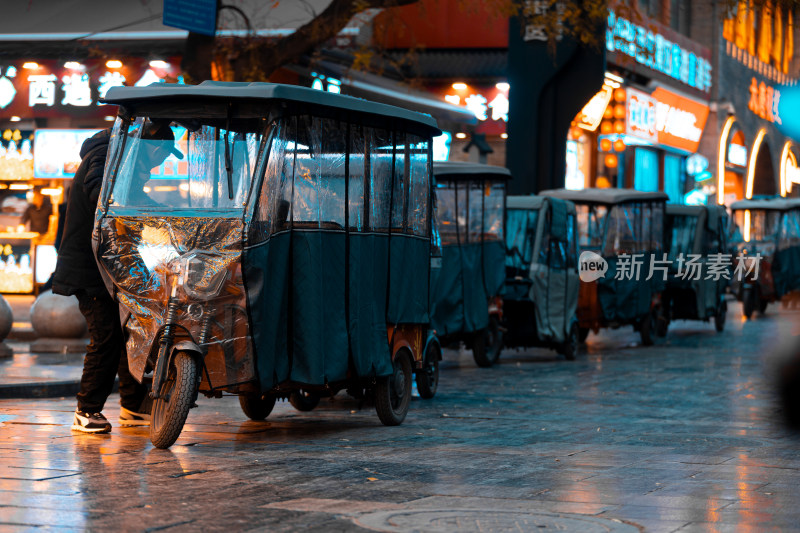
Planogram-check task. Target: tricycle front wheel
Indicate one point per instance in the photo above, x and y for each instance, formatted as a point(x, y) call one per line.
point(175, 399)
point(256, 407)
point(393, 393)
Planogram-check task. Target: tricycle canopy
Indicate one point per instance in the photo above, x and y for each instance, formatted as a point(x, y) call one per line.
point(541, 268)
point(771, 228)
point(470, 208)
point(695, 233)
point(616, 223)
point(303, 218)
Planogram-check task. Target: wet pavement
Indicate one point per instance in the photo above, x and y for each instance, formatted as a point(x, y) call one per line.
point(685, 435)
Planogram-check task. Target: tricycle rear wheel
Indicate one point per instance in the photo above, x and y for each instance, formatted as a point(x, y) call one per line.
point(393, 393)
point(428, 376)
point(583, 334)
point(569, 349)
point(176, 397)
point(647, 329)
point(256, 407)
point(303, 400)
point(487, 344)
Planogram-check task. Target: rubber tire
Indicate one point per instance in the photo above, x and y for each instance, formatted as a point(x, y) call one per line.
point(303, 400)
point(393, 393)
point(256, 407)
point(647, 329)
point(487, 344)
point(749, 297)
point(181, 385)
point(719, 318)
point(569, 349)
point(583, 334)
point(428, 376)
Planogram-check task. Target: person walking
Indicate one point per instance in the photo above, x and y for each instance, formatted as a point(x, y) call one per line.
point(77, 274)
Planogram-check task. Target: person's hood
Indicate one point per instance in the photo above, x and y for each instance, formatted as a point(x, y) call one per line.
point(98, 139)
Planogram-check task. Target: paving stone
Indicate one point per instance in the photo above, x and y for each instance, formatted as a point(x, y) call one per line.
point(681, 436)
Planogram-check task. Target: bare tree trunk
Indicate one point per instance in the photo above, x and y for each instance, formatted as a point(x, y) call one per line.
point(197, 56)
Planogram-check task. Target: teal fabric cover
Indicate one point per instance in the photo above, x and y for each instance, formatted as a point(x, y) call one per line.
point(627, 300)
point(310, 323)
point(470, 275)
point(786, 270)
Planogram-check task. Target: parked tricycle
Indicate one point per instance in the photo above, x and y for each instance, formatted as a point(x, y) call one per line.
point(766, 236)
point(626, 228)
point(285, 246)
point(541, 287)
point(699, 267)
point(466, 300)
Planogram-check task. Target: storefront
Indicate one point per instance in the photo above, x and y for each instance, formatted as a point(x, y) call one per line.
point(643, 129)
point(47, 110)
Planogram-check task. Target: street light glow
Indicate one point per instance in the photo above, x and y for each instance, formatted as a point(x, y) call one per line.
point(114, 63)
point(158, 63)
point(74, 65)
point(459, 86)
point(30, 65)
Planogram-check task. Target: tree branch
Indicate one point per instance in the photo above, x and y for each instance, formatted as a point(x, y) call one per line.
point(267, 57)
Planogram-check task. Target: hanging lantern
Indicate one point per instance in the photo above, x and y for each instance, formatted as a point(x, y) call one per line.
point(619, 94)
point(619, 111)
point(610, 161)
point(606, 127)
point(619, 127)
point(605, 145)
point(609, 112)
point(619, 145)
point(602, 182)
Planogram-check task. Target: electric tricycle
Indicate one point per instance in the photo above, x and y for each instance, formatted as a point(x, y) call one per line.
point(466, 290)
point(699, 265)
point(624, 228)
point(283, 247)
point(766, 238)
point(541, 287)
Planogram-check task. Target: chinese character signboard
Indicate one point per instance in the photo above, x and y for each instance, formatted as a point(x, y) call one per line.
point(648, 46)
point(641, 116)
point(764, 101)
point(679, 120)
point(198, 16)
point(666, 118)
point(488, 104)
point(51, 88)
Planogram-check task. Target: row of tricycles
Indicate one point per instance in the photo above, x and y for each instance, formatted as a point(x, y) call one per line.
point(303, 243)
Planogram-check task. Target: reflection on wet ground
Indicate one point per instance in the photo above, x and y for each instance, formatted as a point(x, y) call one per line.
point(684, 435)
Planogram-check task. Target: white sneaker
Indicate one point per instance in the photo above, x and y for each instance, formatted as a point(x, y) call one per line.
point(90, 422)
point(131, 418)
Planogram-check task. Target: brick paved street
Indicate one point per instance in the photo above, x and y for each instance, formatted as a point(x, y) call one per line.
point(683, 436)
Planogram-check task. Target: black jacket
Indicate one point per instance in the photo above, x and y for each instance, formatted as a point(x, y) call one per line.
point(76, 269)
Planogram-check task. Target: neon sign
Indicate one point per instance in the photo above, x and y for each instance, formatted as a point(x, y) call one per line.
point(652, 50)
point(764, 100)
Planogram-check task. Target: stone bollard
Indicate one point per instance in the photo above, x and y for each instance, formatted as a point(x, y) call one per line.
point(58, 322)
point(6, 320)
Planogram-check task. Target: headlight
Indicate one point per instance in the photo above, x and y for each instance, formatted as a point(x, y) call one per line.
point(202, 274)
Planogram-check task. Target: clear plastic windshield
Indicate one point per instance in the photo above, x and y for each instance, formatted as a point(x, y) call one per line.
point(591, 226)
point(756, 225)
point(187, 168)
point(520, 236)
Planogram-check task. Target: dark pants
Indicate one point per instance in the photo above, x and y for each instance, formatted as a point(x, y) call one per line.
point(105, 357)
